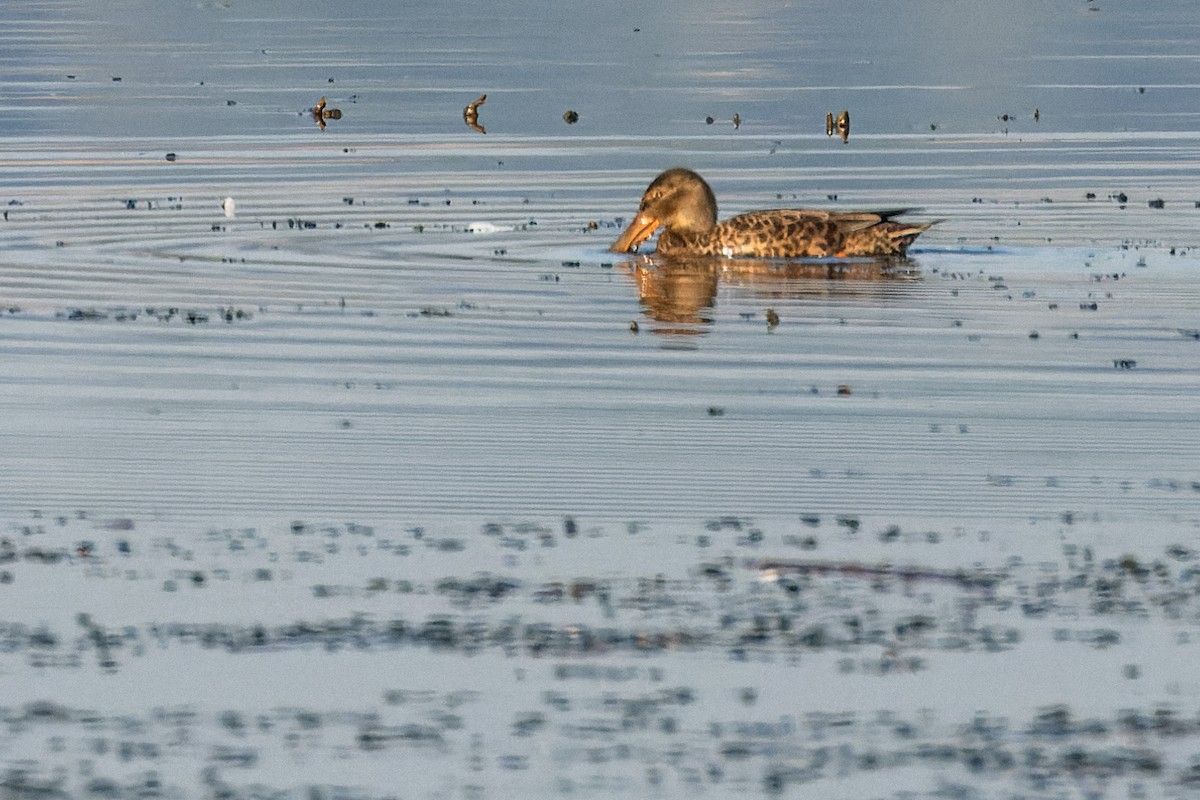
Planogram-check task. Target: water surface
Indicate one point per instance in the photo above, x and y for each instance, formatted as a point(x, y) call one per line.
point(373, 477)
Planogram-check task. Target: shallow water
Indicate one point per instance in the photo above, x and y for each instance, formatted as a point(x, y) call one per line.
point(374, 480)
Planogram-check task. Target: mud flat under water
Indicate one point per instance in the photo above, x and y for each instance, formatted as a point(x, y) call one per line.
point(370, 488)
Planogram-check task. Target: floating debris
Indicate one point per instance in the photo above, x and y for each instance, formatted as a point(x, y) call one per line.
point(471, 113)
point(570, 117)
point(843, 126)
point(321, 113)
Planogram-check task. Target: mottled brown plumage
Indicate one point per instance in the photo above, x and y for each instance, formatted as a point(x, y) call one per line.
point(681, 202)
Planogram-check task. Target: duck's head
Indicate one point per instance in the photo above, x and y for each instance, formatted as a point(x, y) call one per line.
point(678, 200)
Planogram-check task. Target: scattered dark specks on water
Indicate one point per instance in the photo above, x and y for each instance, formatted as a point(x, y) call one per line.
point(1088, 306)
point(1158, 203)
point(850, 523)
point(570, 117)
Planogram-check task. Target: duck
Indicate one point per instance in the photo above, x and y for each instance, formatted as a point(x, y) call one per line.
point(683, 204)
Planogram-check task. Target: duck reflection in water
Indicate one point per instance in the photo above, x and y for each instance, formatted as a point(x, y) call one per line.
point(680, 294)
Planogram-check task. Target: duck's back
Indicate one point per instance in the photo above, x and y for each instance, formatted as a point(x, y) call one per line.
point(799, 233)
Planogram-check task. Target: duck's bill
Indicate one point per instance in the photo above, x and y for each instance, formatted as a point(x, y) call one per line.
point(641, 229)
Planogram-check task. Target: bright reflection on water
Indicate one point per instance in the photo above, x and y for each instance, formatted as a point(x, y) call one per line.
point(646, 68)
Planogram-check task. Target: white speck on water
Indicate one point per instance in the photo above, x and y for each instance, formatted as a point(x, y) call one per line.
point(487, 227)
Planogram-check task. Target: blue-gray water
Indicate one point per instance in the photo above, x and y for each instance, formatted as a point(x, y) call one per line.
point(370, 490)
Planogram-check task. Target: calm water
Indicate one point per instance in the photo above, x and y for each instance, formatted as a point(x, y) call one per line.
point(370, 490)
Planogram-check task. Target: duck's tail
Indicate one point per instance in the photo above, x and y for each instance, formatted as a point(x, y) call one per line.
point(886, 237)
point(902, 234)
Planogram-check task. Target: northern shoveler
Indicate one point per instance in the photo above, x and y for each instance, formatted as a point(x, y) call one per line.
point(681, 202)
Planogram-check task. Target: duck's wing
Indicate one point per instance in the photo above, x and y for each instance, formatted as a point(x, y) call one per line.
point(786, 232)
point(844, 220)
point(807, 232)
point(851, 221)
